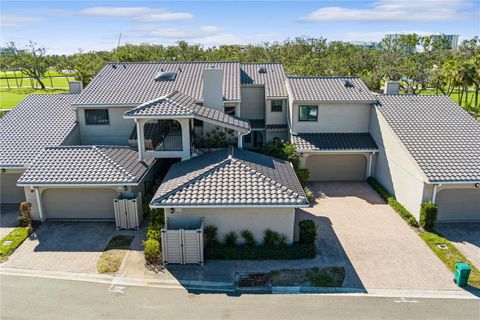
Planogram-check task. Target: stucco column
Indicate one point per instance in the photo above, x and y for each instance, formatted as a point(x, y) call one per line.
point(369, 164)
point(240, 142)
point(140, 138)
point(185, 124)
point(39, 204)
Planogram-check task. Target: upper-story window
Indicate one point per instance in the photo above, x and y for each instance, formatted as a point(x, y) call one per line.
point(277, 105)
point(230, 111)
point(307, 113)
point(96, 116)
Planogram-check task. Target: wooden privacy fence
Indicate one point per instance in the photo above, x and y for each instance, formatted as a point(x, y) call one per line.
point(183, 246)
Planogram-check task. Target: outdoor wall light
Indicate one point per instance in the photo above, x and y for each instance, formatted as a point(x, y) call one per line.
point(301, 155)
point(125, 188)
point(3, 170)
point(477, 185)
point(172, 210)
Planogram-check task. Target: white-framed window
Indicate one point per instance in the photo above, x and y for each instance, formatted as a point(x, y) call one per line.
point(277, 106)
point(96, 116)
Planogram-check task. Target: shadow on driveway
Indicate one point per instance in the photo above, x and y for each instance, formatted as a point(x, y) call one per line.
point(465, 236)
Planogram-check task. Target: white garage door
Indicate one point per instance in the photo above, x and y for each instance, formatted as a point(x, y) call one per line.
point(458, 205)
point(78, 203)
point(336, 167)
point(10, 193)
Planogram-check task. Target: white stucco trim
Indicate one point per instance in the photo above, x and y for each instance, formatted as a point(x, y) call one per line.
point(349, 151)
point(39, 204)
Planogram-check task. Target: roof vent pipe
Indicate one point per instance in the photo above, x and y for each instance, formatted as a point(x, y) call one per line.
point(392, 87)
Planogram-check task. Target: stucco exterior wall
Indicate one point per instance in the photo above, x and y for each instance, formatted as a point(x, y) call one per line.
point(114, 133)
point(237, 219)
point(282, 135)
point(275, 117)
point(73, 138)
point(333, 117)
point(253, 102)
point(394, 167)
point(9, 192)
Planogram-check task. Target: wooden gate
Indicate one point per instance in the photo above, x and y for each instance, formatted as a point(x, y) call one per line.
point(182, 246)
point(128, 211)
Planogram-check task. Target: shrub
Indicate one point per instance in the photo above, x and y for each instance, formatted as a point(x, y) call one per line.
point(247, 235)
point(24, 219)
point(307, 231)
point(282, 240)
point(309, 194)
point(152, 251)
point(289, 252)
point(282, 150)
point(397, 206)
point(211, 235)
point(428, 215)
point(157, 217)
point(154, 233)
point(302, 174)
point(231, 239)
point(271, 238)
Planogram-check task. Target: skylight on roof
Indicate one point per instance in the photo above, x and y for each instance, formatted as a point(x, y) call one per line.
point(347, 83)
point(165, 75)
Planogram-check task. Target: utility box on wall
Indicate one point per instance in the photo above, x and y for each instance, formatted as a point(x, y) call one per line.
point(128, 211)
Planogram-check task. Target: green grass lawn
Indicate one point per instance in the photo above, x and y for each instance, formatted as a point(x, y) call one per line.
point(15, 238)
point(10, 98)
point(112, 257)
point(453, 96)
point(18, 74)
point(58, 82)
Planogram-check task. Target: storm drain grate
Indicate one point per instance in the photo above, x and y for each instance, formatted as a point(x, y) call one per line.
point(7, 243)
point(442, 246)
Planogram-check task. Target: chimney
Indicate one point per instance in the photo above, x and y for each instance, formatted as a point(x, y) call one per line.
point(75, 86)
point(392, 87)
point(213, 88)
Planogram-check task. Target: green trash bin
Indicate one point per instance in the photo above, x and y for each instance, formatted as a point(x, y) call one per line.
point(462, 272)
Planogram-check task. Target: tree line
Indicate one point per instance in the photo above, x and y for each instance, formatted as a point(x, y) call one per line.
point(417, 62)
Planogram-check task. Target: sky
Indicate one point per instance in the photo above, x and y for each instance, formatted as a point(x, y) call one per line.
point(65, 27)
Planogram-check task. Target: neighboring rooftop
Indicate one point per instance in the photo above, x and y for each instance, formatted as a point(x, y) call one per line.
point(271, 75)
point(334, 141)
point(442, 138)
point(131, 83)
point(329, 89)
point(177, 104)
point(86, 165)
point(36, 122)
point(230, 177)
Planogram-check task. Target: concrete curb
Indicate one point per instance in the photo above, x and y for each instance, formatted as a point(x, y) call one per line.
point(229, 287)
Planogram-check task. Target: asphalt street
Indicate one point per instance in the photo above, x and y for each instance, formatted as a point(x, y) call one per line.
point(42, 298)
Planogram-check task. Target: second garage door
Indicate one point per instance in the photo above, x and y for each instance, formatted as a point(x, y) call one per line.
point(78, 203)
point(458, 205)
point(336, 167)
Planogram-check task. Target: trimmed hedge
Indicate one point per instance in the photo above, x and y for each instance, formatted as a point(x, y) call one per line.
point(397, 206)
point(290, 252)
point(152, 251)
point(307, 231)
point(428, 215)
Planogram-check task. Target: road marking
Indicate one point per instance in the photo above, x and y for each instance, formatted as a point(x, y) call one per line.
point(403, 300)
point(116, 289)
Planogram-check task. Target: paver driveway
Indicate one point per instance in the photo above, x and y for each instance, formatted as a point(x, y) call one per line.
point(465, 236)
point(383, 250)
point(64, 246)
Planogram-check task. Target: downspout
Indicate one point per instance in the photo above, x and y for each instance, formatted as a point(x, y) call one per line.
point(370, 160)
point(434, 193)
point(39, 203)
point(240, 138)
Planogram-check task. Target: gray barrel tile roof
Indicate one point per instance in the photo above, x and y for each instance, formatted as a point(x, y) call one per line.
point(442, 138)
point(36, 122)
point(329, 89)
point(177, 104)
point(84, 165)
point(273, 78)
point(230, 177)
point(134, 83)
point(334, 141)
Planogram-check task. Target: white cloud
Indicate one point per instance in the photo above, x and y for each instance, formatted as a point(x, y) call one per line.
point(379, 35)
point(394, 11)
point(19, 21)
point(145, 14)
point(152, 31)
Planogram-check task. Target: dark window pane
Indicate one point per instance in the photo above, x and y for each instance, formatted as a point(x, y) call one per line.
point(96, 116)
point(230, 111)
point(307, 113)
point(277, 105)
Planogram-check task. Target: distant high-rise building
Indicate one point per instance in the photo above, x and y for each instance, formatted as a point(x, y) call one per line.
point(366, 44)
point(452, 39)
